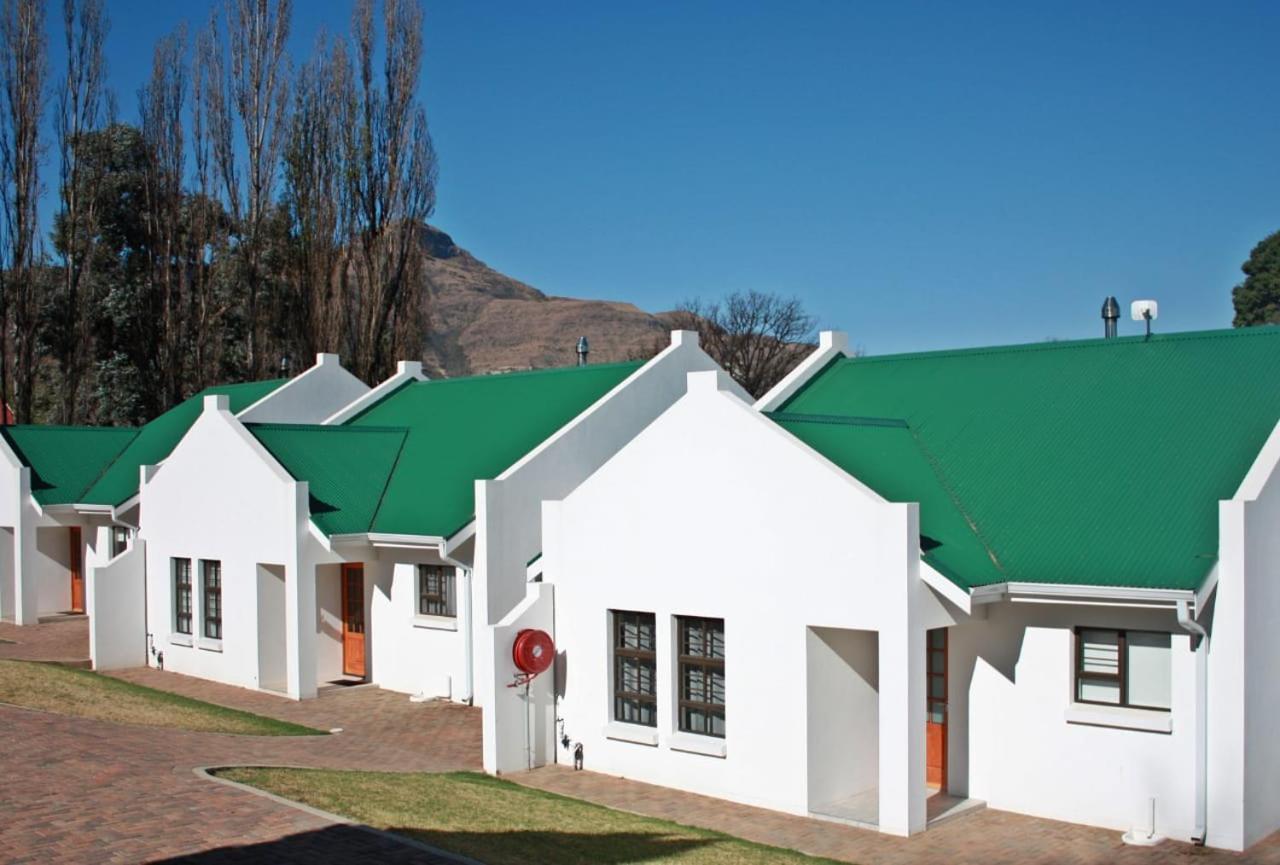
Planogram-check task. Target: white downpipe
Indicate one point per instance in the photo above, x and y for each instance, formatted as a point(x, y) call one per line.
point(468, 631)
point(1191, 626)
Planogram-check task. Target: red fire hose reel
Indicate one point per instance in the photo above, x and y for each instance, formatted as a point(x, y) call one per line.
point(533, 652)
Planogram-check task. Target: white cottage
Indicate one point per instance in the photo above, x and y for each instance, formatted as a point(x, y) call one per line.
point(69, 495)
point(374, 546)
point(1036, 577)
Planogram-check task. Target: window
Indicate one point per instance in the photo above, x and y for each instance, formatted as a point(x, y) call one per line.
point(435, 591)
point(182, 595)
point(211, 585)
point(119, 540)
point(635, 665)
point(1123, 668)
point(701, 650)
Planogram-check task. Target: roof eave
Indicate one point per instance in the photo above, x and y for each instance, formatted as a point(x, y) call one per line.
point(1066, 593)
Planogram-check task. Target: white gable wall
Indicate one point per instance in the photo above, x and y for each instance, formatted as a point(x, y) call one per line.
point(216, 497)
point(715, 511)
point(309, 397)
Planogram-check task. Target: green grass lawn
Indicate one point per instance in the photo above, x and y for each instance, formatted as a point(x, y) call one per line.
point(68, 691)
point(501, 823)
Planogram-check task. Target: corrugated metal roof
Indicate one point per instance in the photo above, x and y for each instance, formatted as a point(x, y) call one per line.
point(1092, 462)
point(466, 429)
point(66, 460)
point(157, 439)
point(346, 468)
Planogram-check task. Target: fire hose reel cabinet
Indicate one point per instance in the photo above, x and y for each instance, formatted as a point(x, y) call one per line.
point(533, 652)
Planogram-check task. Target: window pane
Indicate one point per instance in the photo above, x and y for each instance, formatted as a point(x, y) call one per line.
point(1148, 669)
point(1099, 692)
point(1100, 652)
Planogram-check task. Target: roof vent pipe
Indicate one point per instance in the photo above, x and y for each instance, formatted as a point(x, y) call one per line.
point(583, 348)
point(1110, 317)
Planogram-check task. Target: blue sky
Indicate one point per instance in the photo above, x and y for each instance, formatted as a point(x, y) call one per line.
point(922, 175)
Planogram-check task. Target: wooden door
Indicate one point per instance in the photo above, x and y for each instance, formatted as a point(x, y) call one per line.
point(353, 620)
point(936, 709)
point(77, 572)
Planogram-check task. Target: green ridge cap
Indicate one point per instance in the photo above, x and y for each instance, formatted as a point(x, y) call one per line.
point(1090, 462)
point(346, 468)
point(466, 429)
point(157, 439)
point(65, 460)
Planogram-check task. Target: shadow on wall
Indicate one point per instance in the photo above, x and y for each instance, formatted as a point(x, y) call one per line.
point(347, 844)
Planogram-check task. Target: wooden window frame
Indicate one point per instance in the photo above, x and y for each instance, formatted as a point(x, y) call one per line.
point(1120, 677)
point(707, 664)
point(182, 589)
point(444, 597)
point(621, 653)
point(211, 600)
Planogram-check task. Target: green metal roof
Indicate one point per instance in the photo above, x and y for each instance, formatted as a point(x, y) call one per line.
point(157, 439)
point(65, 460)
point(346, 468)
point(1093, 462)
point(466, 429)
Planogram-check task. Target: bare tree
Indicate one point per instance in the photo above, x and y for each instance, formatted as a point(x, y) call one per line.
point(314, 197)
point(82, 104)
point(160, 106)
point(391, 166)
point(757, 337)
point(257, 31)
point(23, 67)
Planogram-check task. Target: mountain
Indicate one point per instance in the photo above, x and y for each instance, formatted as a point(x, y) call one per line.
point(484, 321)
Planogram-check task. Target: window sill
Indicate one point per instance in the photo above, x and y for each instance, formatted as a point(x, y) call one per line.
point(438, 623)
point(637, 733)
point(180, 640)
point(691, 743)
point(1121, 717)
point(210, 645)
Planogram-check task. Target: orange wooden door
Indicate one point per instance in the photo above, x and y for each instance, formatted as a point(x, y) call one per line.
point(936, 710)
point(77, 572)
point(353, 620)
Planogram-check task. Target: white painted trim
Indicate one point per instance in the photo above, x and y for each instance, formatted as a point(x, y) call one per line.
point(181, 640)
point(406, 370)
point(636, 733)
point(1071, 594)
point(436, 623)
point(1120, 717)
point(691, 743)
point(390, 541)
point(1264, 466)
point(943, 586)
point(831, 344)
point(679, 338)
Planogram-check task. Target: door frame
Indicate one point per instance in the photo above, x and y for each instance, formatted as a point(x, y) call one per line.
point(929, 676)
point(350, 571)
point(75, 567)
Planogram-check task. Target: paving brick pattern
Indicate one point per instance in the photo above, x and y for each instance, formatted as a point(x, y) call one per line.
point(984, 837)
point(77, 790)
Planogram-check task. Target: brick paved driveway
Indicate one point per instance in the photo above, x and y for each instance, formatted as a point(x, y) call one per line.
point(79, 790)
point(76, 790)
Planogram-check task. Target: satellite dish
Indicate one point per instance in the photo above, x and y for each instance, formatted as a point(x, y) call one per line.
point(1144, 310)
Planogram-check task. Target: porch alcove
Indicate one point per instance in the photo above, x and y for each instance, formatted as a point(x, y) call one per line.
point(843, 723)
point(272, 647)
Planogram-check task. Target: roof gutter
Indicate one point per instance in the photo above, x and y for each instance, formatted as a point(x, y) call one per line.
point(390, 541)
point(1065, 593)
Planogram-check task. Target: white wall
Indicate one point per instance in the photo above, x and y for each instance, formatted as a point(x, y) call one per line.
point(216, 497)
point(1011, 745)
point(508, 508)
point(51, 568)
point(310, 397)
point(714, 510)
point(1244, 654)
point(415, 654)
point(115, 601)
